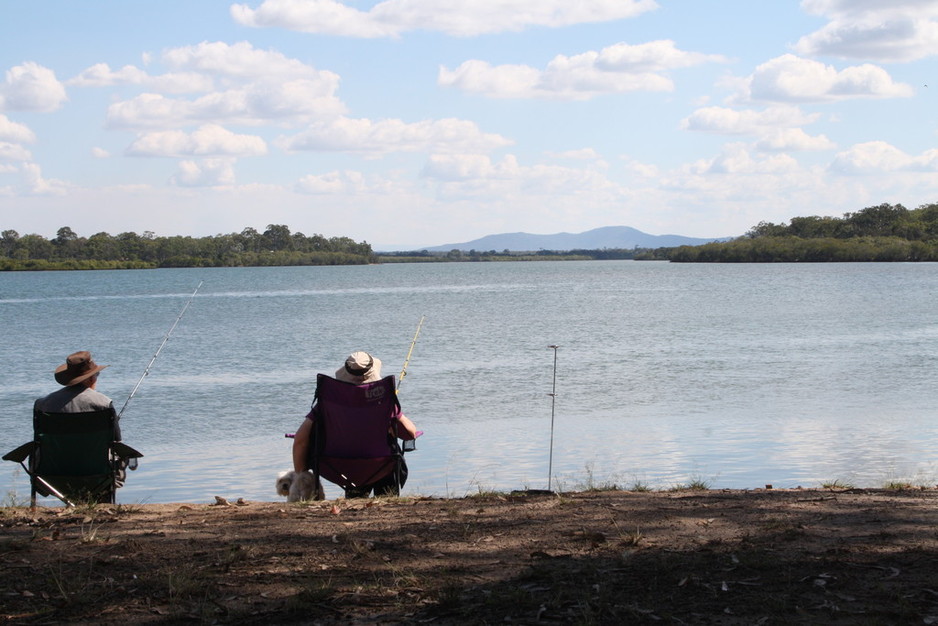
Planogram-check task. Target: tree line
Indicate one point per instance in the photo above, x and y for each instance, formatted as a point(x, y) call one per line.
point(274, 246)
point(885, 232)
point(459, 256)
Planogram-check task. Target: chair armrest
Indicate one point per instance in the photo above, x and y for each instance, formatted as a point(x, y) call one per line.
point(22, 453)
point(409, 445)
point(124, 451)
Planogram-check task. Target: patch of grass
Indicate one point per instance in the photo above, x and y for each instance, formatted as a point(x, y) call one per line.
point(696, 483)
point(90, 532)
point(186, 581)
point(628, 538)
point(12, 499)
point(484, 492)
point(592, 485)
point(639, 486)
point(85, 506)
point(898, 485)
point(315, 593)
point(836, 484)
point(128, 509)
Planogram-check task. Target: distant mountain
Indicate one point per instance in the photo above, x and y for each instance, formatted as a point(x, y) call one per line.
point(622, 237)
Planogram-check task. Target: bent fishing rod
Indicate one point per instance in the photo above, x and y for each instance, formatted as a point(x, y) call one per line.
point(400, 379)
point(157, 353)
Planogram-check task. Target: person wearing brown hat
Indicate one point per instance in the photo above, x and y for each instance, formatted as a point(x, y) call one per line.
point(78, 377)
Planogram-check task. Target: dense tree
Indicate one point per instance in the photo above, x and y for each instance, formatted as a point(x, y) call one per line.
point(8, 239)
point(275, 246)
point(878, 233)
point(277, 237)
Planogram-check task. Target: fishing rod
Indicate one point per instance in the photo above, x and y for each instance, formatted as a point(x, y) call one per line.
point(400, 378)
point(157, 353)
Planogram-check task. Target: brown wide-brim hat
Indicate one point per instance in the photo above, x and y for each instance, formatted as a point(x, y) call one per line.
point(78, 366)
point(360, 368)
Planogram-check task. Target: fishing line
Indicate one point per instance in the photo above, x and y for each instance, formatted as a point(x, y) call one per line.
point(157, 353)
point(400, 379)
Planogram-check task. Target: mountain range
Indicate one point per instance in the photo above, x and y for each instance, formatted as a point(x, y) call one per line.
point(616, 237)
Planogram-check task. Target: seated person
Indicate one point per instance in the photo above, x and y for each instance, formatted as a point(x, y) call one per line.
point(360, 368)
point(79, 379)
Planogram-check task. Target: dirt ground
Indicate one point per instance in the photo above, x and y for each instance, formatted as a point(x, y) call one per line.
point(602, 557)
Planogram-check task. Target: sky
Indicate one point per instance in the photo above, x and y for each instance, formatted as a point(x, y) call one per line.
point(410, 123)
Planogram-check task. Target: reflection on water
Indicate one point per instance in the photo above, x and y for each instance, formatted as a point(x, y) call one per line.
point(736, 375)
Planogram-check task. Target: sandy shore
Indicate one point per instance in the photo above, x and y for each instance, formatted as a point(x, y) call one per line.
point(607, 557)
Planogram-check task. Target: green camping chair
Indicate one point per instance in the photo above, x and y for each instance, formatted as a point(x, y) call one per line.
point(74, 457)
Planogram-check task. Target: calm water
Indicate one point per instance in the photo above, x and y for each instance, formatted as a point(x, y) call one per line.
point(737, 375)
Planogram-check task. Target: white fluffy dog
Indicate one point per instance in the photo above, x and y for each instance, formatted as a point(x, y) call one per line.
point(297, 486)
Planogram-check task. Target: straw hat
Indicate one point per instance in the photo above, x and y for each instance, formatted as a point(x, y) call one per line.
point(360, 368)
point(78, 366)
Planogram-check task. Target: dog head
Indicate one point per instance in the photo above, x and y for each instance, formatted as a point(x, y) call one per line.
point(284, 480)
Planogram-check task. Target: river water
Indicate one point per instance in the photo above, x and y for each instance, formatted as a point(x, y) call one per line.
point(666, 374)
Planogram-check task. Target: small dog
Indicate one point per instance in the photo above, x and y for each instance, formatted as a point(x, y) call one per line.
point(298, 486)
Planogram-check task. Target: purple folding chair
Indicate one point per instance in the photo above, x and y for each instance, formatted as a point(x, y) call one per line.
point(354, 443)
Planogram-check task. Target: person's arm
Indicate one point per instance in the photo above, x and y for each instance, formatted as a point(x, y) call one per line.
point(301, 446)
point(405, 428)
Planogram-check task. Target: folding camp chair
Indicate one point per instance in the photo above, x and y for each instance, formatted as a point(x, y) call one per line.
point(354, 443)
point(73, 456)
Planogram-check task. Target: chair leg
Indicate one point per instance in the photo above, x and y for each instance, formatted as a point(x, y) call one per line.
point(320, 492)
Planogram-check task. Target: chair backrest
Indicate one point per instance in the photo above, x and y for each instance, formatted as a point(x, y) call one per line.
point(354, 430)
point(74, 444)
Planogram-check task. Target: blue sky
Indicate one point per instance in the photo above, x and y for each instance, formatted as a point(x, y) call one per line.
point(424, 122)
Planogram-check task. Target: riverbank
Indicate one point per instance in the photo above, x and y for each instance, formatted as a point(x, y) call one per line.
point(708, 556)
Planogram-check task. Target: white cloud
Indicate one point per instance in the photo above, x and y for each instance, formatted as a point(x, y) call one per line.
point(878, 157)
point(101, 75)
point(736, 159)
point(392, 18)
point(639, 169)
point(332, 183)
point(181, 82)
point(13, 152)
point(480, 77)
point(472, 175)
point(386, 136)
point(620, 68)
point(205, 173)
point(241, 60)
point(745, 122)
point(259, 86)
point(463, 167)
point(898, 30)
point(100, 153)
point(14, 131)
point(286, 102)
point(654, 56)
point(789, 78)
point(31, 87)
point(775, 127)
point(793, 139)
point(36, 185)
point(207, 140)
